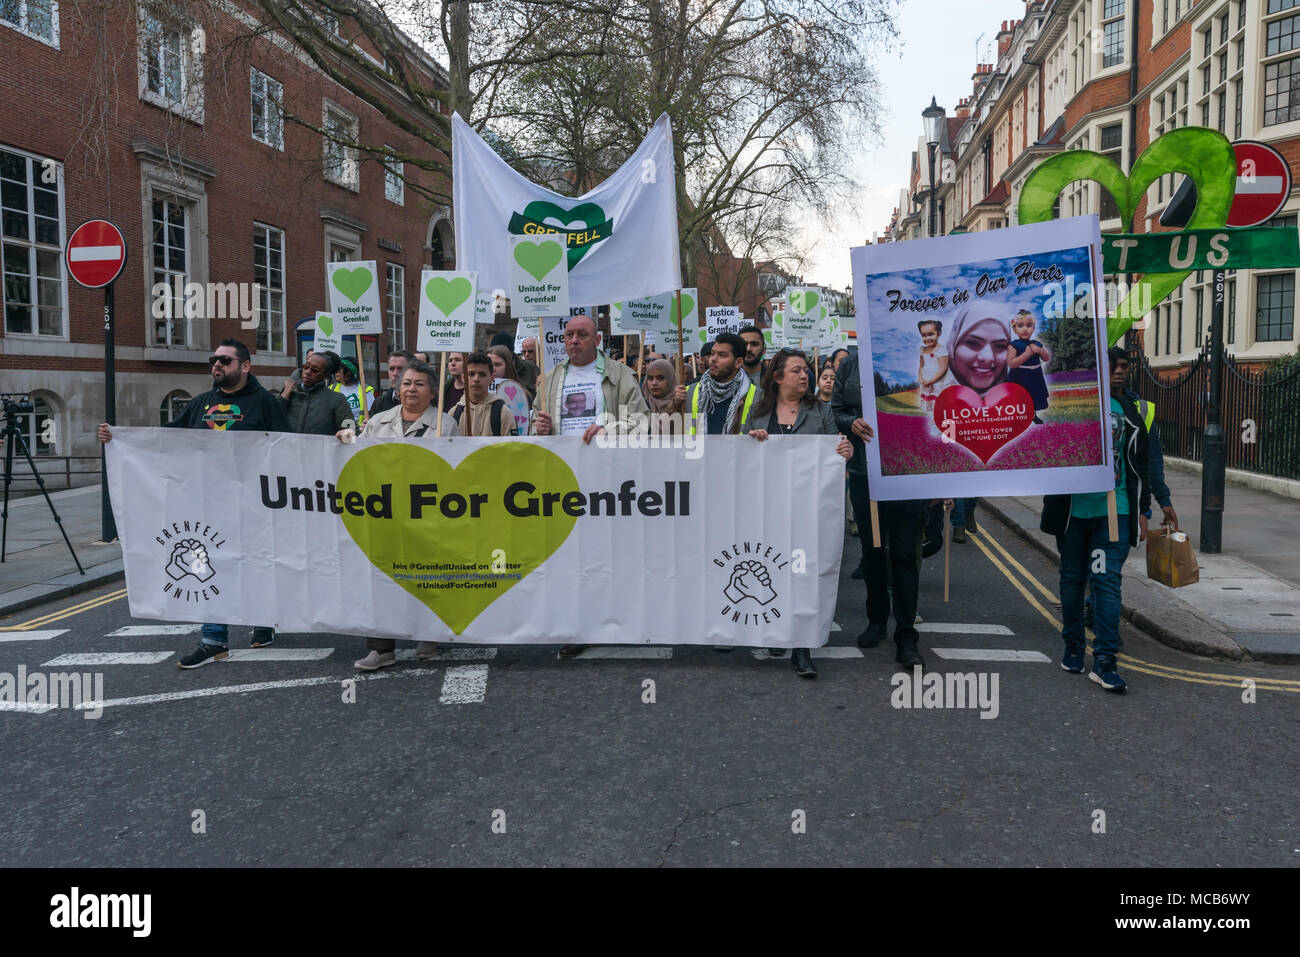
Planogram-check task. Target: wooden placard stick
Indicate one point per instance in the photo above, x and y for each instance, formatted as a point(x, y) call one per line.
point(640, 355)
point(875, 525)
point(1112, 516)
point(681, 337)
point(442, 390)
point(947, 551)
point(361, 374)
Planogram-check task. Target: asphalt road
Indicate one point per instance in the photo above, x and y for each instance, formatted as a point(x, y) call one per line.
point(524, 759)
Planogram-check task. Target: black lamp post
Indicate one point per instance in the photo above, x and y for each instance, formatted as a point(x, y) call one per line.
point(932, 116)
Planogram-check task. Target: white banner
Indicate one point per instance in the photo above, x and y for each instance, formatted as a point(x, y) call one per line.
point(483, 540)
point(354, 298)
point(447, 306)
point(621, 237)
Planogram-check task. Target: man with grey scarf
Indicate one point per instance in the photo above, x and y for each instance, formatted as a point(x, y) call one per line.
point(723, 396)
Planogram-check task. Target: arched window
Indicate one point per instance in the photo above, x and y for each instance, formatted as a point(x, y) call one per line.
point(442, 252)
point(42, 428)
point(173, 404)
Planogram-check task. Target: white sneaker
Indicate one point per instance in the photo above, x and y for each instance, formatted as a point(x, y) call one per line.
point(427, 649)
point(375, 660)
point(918, 620)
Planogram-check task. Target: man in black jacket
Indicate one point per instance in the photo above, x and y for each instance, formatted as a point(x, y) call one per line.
point(236, 403)
point(901, 526)
point(1081, 526)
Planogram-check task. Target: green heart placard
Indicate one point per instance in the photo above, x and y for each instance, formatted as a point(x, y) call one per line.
point(400, 545)
point(804, 302)
point(1203, 154)
point(325, 324)
point(353, 283)
point(538, 259)
point(448, 294)
point(686, 302)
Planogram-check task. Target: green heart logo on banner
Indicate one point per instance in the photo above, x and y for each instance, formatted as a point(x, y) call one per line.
point(618, 306)
point(397, 546)
point(1203, 154)
point(804, 302)
point(702, 337)
point(325, 324)
point(447, 294)
point(687, 303)
point(353, 283)
point(588, 216)
point(538, 259)
point(779, 318)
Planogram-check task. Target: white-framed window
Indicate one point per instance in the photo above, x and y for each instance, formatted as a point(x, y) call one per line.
point(1165, 15)
point(170, 61)
point(396, 308)
point(1218, 51)
point(38, 19)
point(1275, 307)
point(1111, 145)
point(1113, 32)
point(268, 274)
point(31, 234)
point(266, 102)
point(173, 404)
point(394, 185)
point(341, 132)
point(1281, 59)
point(170, 251)
point(1169, 110)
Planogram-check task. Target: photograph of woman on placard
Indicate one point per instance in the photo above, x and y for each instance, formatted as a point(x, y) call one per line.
point(978, 347)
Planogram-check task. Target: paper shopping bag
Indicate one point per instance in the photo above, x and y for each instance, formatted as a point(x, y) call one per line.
point(1170, 559)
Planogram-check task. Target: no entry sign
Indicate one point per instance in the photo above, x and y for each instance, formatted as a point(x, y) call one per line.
point(1263, 184)
point(96, 253)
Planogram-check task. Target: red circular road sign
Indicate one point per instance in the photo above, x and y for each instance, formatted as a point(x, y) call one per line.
point(1263, 184)
point(96, 253)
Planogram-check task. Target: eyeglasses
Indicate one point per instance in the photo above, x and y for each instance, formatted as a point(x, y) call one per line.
point(221, 360)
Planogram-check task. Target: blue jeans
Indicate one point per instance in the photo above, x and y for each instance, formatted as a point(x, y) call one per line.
point(1083, 538)
point(961, 507)
point(220, 634)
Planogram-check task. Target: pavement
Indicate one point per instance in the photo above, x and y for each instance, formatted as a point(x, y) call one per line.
point(1246, 606)
point(38, 566)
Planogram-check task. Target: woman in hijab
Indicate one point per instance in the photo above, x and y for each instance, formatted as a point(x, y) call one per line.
point(977, 347)
point(658, 388)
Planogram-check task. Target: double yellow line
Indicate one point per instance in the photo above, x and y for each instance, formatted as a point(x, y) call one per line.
point(982, 537)
point(68, 612)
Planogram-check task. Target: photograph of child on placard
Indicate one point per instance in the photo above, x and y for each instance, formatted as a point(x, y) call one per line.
point(1005, 373)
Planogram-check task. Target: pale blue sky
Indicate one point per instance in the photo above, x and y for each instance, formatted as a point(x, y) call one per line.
point(937, 57)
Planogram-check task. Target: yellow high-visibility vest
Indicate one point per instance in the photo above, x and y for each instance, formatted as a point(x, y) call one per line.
point(744, 413)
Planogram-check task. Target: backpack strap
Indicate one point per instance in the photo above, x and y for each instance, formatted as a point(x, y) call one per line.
point(497, 407)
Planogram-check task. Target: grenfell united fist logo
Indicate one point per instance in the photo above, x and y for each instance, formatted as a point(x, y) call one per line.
point(189, 558)
point(750, 579)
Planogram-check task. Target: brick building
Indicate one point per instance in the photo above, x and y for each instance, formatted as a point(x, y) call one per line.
point(169, 123)
point(1111, 76)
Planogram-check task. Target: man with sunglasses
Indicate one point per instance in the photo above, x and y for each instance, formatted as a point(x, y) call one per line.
point(236, 403)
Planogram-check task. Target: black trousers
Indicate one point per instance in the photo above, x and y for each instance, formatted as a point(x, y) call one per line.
point(898, 559)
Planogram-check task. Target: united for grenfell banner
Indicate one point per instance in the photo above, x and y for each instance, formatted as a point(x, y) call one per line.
point(621, 237)
point(482, 540)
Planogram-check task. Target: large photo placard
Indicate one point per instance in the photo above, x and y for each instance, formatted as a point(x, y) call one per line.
point(980, 358)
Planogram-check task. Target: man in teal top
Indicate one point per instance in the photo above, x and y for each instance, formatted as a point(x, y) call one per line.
point(1081, 527)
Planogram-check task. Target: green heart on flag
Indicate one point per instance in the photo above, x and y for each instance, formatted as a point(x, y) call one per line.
point(325, 324)
point(1203, 154)
point(538, 259)
point(447, 294)
point(353, 283)
point(404, 541)
point(589, 216)
point(804, 302)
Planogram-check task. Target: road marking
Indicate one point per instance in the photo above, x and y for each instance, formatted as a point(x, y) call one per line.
point(829, 651)
point(246, 689)
point(464, 684)
point(67, 612)
point(451, 654)
point(140, 631)
point(110, 658)
point(615, 651)
point(1011, 559)
point(280, 654)
point(989, 654)
point(957, 628)
point(33, 635)
point(1137, 664)
point(25, 706)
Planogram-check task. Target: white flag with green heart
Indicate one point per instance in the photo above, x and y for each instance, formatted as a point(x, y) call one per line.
point(620, 237)
point(447, 306)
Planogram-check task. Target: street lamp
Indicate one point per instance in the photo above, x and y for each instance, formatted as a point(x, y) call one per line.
point(933, 116)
